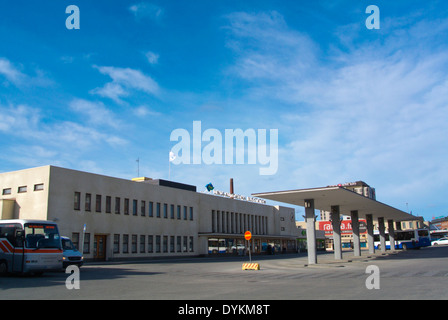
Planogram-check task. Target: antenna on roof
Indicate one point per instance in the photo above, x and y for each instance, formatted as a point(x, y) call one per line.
point(138, 167)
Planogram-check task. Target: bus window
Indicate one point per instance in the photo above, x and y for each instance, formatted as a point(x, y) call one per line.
point(41, 236)
point(8, 231)
point(423, 233)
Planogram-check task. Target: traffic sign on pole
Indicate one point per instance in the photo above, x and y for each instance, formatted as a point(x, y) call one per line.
point(248, 236)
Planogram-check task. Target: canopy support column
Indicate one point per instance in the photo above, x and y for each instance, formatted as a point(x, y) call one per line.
point(382, 232)
point(390, 226)
point(355, 229)
point(310, 231)
point(336, 222)
point(370, 239)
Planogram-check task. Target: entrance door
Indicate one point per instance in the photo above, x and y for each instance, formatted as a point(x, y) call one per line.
point(99, 247)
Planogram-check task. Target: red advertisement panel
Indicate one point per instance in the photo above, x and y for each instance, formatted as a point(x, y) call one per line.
point(346, 227)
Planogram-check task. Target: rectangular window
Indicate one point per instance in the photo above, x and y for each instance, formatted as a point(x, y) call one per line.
point(157, 244)
point(125, 243)
point(158, 209)
point(191, 244)
point(77, 201)
point(86, 243)
point(126, 206)
point(171, 243)
point(75, 239)
point(185, 248)
point(172, 211)
point(150, 243)
point(134, 207)
point(6, 191)
point(88, 202)
point(179, 244)
point(151, 209)
point(98, 203)
point(108, 204)
point(142, 243)
point(117, 205)
point(191, 213)
point(185, 212)
point(165, 210)
point(134, 243)
point(142, 208)
point(39, 187)
point(178, 212)
point(116, 243)
point(165, 243)
point(22, 189)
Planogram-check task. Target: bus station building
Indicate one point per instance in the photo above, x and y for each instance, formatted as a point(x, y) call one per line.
point(116, 219)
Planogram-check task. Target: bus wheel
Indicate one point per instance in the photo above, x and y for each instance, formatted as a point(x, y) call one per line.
point(3, 268)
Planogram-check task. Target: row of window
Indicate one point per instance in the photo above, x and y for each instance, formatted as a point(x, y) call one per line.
point(135, 206)
point(23, 189)
point(142, 243)
point(234, 222)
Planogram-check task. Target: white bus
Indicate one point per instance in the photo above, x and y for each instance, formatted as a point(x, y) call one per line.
point(217, 246)
point(438, 234)
point(405, 239)
point(29, 246)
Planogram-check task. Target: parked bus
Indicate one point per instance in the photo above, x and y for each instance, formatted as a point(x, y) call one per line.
point(406, 239)
point(29, 246)
point(217, 245)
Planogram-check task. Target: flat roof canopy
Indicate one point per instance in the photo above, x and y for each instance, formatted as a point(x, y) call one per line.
point(347, 201)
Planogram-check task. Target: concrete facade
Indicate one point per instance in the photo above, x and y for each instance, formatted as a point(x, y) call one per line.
point(127, 219)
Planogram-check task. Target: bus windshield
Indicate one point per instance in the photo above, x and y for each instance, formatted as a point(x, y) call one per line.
point(38, 235)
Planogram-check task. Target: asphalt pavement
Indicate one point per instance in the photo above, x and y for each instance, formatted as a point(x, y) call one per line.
point(415, 274)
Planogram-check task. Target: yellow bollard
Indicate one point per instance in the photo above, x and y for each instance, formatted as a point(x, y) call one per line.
point(251, 266)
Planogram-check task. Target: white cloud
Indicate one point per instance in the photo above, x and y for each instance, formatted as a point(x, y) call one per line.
point(19, 119)
point(145, 10)
point(152, 57)
point(96, 113)
point(270, 55)
point(143, 111)
point(10, 72)
point(112, 91)
point(123, 81)
point(14, 75)
point(65, 139)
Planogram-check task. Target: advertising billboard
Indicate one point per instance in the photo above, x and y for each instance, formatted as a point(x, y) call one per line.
point(346, 227)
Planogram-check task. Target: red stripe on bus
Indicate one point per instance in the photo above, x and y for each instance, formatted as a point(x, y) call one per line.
point(4, 248)
point(8, 245)
point(42, 251)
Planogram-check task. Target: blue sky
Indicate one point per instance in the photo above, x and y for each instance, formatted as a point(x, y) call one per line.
point(349, 103)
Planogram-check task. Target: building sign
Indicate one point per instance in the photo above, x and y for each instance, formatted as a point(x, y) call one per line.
point(346, 227)
point(347, 184)
point(238, 197)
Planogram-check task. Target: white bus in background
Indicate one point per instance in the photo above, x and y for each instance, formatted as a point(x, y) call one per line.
point(438, 234)
point(217, 246)
point(29, 246)
point(405, 239)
